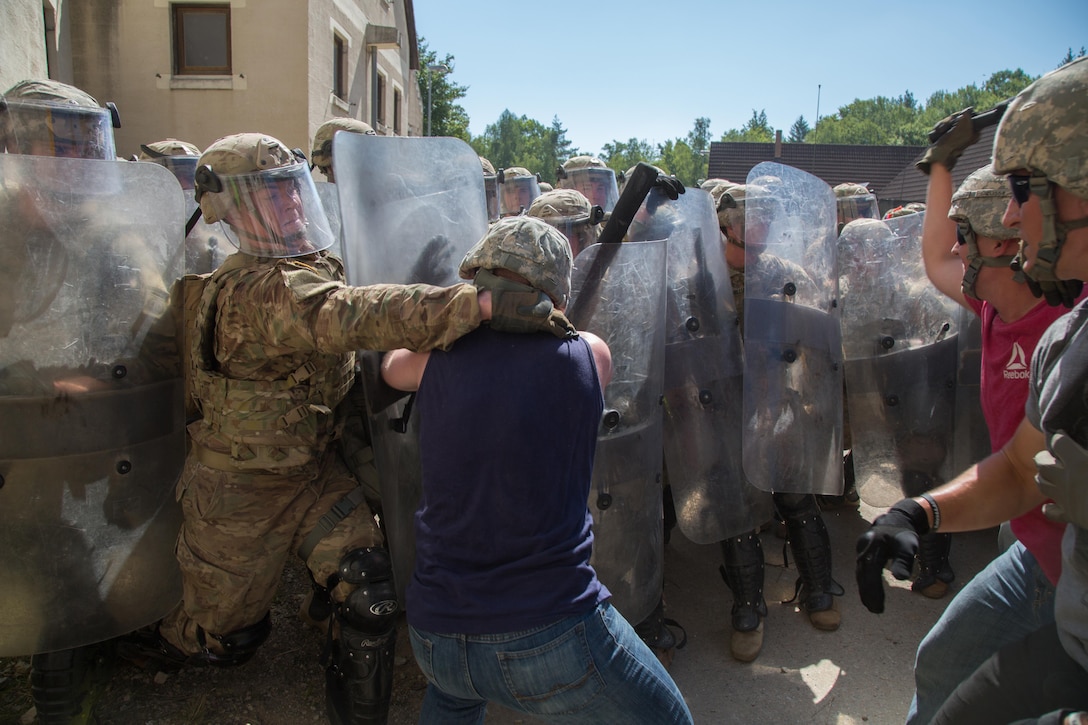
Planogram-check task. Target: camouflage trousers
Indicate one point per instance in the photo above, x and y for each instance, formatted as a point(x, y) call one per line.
point(237, 532)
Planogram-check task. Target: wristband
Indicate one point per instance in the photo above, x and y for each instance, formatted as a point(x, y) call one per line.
point(936, 511)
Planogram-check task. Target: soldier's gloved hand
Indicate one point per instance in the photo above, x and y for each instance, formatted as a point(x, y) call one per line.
point(894, 536)
point(520, 308)
point(1063, 477)
point(433, 265)
point(670, 186)
point(949, 138)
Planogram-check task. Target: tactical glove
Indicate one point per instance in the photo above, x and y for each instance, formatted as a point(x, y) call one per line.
point(894, 536)
point(670, 186)
point(949, 138)
point(1063, 477)
point(520, 308)
point(1056, 291)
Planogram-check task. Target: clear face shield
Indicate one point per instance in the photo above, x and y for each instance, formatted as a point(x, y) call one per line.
point(274, 213)
point(597, 185)
point(863, 206)
point(491, 193)
point(57, 129)
point(182, 167)
point(517, 194)
point(581, 231)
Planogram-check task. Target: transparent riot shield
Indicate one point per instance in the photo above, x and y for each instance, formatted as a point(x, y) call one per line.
point(703, 373)
point(618, 293)
point(92, 434)
point(330, 202)
point(792, 347)
point(205, 246)
point(411, 208)
point(900, 346)
point(972, 434)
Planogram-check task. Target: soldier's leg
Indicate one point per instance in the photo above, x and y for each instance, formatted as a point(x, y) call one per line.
point(656, 631)
point(811, 547)
point(234, 540)
point(743, 572)
point(342, 547)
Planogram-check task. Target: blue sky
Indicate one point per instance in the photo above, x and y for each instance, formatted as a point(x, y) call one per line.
point(617, 69)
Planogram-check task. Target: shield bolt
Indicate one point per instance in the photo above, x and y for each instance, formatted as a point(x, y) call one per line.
point(604, 500)
point(692, 324)
point(611, 419)
point(887, 342)
point(124, 467)
point(789, 356)
point(119, 371)
point(790, 289)
point(892, 400)
point(705, 397)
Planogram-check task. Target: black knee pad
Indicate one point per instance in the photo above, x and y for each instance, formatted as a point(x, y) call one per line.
point(239, 646)
point(796, 506)
point(372, 606)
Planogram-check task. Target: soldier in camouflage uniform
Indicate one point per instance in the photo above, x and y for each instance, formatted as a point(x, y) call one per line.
point(271, 353)
point(806, 532)
point(592, 177)
point(571, 213)
point(517, 188)
point(179, 157)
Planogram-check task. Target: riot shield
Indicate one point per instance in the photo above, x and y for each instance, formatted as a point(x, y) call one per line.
point(792, 408)
point(618, 293)
point(411, 208)
point(900, 347)
point(92, 428)
point(703, 374)
point(972, 432)
point(330, 202)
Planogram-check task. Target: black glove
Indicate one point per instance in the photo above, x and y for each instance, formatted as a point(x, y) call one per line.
point(670, 186)
point(894, 536)
point(433, 265)
point(1057, 292)
point(949, 138)
point(520, 308)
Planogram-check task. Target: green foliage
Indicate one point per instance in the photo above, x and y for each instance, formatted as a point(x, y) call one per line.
point(448, 118)
point(1070, 57)
point(799, 130)
point(522, 141)
point(756, 130)
point(622, 155)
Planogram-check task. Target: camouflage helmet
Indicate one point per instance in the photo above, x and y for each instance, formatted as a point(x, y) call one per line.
point(709, 184)
point(487, 167)
point(855, 201)
point(321, 155)
point(582, 162)
point(592, 177)
point(264, 193)
point(491, 189)
point(529, 247)
point(716, 191)
point(913, 207)
point(1045, 129)
point(730, 206)
point(179, 157)
point(980, 201)
point(545, 187)
point(569, 211)
point(50, 118)
point(517, 188)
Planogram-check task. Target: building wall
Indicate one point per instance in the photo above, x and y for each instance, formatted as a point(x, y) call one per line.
point(22, 42)
point(281, 68)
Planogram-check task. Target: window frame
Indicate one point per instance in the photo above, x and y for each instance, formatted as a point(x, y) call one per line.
point(178, 11)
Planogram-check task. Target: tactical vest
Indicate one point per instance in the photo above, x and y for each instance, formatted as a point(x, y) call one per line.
point(263, 424)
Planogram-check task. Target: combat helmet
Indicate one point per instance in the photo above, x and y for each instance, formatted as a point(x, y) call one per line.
point(265, 195)
point(1044, 132)
point(855, 201)
point(517, 188)
point(50, 118)
point(528, 247)
point(913, 207)
point(179, 157)
point(570, 212)
point(321, 155)
point(491, 189)
point(592, 177)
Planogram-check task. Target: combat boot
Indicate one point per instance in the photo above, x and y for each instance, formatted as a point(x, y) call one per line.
point(816, 589)
point(656, 633)
point(934, 572)
point(65, 685)
point(743, 574)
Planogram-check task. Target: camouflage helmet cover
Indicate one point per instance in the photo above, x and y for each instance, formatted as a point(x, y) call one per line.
point(911, 208)
point(730, 206)
point(529, 247)
point(487, 167)
point(561, 204)
point(321, 155)
point(980, 201)
point(167, 147)
point(855, 201)
point(1045, 129)
point(583, 162)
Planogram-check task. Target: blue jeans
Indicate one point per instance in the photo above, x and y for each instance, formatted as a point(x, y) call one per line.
point(1005, 602)
point(584, 669)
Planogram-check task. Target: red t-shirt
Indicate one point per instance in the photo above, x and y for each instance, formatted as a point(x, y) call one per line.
point(1006, 364)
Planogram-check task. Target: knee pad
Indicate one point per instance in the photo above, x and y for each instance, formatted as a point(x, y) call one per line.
point(238, 646)
point(796, 506)
point(371, 607)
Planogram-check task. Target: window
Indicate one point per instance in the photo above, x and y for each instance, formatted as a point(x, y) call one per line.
point(396, 111)
point(379, 100)
point(202, 39)
point(339, 66)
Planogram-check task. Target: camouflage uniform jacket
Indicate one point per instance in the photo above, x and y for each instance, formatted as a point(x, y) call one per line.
point(272, 352)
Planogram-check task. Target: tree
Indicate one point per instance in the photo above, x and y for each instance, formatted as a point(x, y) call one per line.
point(448, 118)
point(798, 130)
point(699, 136)
point(521, 141)
point(622, 155)
point(756, 130)
point(1069, 57)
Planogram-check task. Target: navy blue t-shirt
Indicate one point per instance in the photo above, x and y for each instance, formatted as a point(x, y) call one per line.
point(508, 429)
